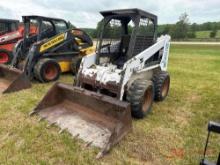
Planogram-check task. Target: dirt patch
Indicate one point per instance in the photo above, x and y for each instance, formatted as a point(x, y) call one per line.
point(148, 147)
point(165, 142)
point(193, 98)
point(182, 116)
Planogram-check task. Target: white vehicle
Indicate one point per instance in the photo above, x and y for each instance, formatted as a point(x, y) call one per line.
point(122, 79)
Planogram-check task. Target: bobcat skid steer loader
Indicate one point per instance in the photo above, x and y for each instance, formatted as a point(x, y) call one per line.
point(120, 80)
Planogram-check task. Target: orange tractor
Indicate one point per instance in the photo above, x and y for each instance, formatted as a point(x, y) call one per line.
point(11, 31)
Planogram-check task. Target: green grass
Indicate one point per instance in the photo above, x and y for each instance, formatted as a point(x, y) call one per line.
point(218, 34)
point(203, 34)
point(174, 133)
point(206, 34)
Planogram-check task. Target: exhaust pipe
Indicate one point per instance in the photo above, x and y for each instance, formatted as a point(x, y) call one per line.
point(12, 80)
point(99, 120)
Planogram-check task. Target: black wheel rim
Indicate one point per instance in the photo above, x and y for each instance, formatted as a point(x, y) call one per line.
point(50, 72)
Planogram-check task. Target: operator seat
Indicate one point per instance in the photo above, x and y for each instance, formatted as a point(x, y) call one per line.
point(48, 33)
point(124, 46)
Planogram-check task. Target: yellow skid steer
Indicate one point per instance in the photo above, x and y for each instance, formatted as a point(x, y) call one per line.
point(43, 56)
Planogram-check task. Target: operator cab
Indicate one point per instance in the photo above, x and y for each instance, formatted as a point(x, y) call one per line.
point(125, 33)
point(8, 25)
point(38, 28)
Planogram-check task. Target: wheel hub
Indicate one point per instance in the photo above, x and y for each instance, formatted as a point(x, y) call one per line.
point(50, 72)
point(148, 97)
point(165, 87)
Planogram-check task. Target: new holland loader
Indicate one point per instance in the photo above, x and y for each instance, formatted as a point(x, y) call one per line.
point(121, 79)
point(55, 49)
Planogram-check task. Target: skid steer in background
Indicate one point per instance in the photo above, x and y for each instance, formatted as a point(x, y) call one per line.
point(123, 77)
point(8, 26)
point(55, 49)
point(11, 31)
point(214, 128)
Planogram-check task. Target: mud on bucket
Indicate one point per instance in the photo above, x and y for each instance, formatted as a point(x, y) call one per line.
point(99, 120)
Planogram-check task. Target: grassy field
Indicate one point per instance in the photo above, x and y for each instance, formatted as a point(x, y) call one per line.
point(206, 34)
point(218, 34)
point(203, 34)
point(174, 133)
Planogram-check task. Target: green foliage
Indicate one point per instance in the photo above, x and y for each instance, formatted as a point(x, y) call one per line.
point(183, 29)
point(98, 29)
point(164, 29)
point(218, 34)
point(207, 26)
point(193, 27)
point(89, 31)
point(191, 34)
point(202, 34)
point(213, 33)
point(207, 34)
point(180, 30)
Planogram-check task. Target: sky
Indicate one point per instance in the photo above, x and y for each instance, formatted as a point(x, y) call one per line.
point(86, 13)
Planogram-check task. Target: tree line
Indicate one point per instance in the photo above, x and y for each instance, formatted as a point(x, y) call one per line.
point(182, 29)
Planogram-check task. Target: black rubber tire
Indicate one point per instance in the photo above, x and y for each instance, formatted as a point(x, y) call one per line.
point(10, 56)
point(40, 70)
point(162, 85)
point(75, 65)
point(136, 96)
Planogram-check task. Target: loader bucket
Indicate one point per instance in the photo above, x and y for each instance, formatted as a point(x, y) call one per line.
point(99, 120)
point(12, 80)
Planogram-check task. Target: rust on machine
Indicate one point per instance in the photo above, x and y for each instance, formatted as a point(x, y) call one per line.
point(99, 120)
point(12, 80)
